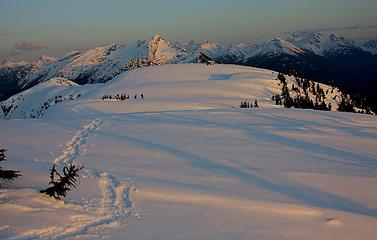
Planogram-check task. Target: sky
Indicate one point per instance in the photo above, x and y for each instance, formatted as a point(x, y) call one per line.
point(29, 28)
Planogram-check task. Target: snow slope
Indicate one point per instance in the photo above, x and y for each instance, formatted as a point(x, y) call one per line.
point(191, 86)
point(186, 162)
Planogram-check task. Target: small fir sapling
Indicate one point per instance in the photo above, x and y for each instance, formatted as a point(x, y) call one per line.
point(61, 184)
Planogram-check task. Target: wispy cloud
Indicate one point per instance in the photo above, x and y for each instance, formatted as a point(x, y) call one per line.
point(29, 46)
point(336, 29)
point(372, 27)
point(355, 27)
point(14, 53)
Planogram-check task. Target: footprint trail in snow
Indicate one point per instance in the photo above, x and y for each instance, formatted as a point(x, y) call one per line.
point(114, 204)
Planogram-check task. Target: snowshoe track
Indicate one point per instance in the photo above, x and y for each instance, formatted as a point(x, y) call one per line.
point(73, 147)
point(115, 203)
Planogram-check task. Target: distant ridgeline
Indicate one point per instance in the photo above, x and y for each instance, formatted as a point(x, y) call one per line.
point(338, 61)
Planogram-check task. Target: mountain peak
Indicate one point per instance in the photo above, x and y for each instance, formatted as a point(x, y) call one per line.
point(162, 50)
point(10, 62)
point(207, 45)
point(311, 41)
point(157, 38)
point(306, 35)
point(277, 41)
point(321, 44)
point(302, 38)
point(335, 38)
point(369, 45)
point(335, 44)
point(341, 40)
point(44, 59)
point(280, 45)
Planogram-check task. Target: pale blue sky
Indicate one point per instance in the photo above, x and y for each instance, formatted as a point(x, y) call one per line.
point(54, 27)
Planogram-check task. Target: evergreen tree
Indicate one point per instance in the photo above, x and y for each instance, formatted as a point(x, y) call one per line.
point(345, 104)
point(256, 104)
point(308, 103)
point(324, 106)
point(6, 109)
point(281, 77)
point(287, 100)
point(303, 102)
point(316, 105)
point(313, 89)
point(278, 100)
point(64, 183)
point(329, 107)
point(7, 174)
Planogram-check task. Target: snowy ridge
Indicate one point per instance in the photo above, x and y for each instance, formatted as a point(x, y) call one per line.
point(274, 47)
point(212, 86)
point(310, 41)
point(323, 44)
point(103, 63)
point(47, 72)
point(295, 44)
point(336, 44)
point(37, 100)
point(211, 49)
point(14, 72)
point(369, 45)
point(11, 63)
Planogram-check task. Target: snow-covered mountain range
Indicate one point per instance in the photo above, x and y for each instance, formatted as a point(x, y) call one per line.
point(295, 44)
point(102, 63)
point(322, 57)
